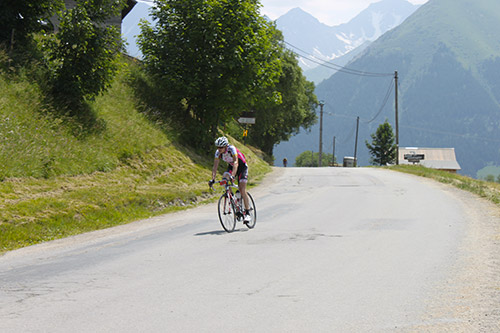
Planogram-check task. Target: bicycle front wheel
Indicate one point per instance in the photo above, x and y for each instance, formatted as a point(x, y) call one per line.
point(226, 213)
point(252, 211)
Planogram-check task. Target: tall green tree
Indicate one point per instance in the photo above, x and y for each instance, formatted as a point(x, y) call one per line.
point(382, 148)
point(20, 18)
point(278, 121)
point(210, 57)
point(83, 54)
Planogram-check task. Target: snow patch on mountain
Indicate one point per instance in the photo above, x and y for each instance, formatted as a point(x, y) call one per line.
point(311, 39)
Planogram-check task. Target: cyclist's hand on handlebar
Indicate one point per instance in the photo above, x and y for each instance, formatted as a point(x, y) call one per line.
point(211, 183)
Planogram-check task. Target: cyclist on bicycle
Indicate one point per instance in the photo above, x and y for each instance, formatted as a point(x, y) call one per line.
point(237, 166)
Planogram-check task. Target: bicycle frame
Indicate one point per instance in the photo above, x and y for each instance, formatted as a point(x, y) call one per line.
point(231, 208)
point(235, 203)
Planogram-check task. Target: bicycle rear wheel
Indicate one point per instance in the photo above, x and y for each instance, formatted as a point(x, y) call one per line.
point(226, 213)
point(252, 211)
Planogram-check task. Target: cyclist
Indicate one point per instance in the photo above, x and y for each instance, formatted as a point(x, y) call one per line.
point(237, 166)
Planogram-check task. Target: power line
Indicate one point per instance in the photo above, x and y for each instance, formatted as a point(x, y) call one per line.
point(387, 95)
point(349, 136)
point(384, 103)
point(386, 98)
point(465, 136)
point(333, 66)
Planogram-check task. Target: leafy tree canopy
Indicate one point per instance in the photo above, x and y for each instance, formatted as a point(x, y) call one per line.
point(276, 122)
point(20, 18)
point(82, 55)
point(382, 148)
point(212, 57)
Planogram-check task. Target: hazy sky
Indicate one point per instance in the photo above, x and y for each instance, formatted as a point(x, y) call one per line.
point(330, 12)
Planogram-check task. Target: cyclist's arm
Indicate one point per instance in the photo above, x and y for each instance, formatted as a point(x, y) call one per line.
point(214, 170)
point(235, 165)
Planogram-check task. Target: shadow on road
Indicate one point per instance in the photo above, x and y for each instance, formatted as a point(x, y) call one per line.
point(218, 232)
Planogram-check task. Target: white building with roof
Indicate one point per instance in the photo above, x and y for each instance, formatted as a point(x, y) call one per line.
point(434, 158)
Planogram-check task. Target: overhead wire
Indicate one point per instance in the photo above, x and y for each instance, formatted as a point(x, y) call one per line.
point(351, 133)
point(347, 70)
point(386, 98)
point(333, 66)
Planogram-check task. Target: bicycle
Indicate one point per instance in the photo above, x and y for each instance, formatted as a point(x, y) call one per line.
point(231, 207)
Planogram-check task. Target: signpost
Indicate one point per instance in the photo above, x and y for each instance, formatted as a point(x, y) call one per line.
point(246, 118)
point(414, 158)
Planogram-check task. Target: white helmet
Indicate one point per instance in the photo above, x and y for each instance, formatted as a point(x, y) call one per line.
point(222, 142)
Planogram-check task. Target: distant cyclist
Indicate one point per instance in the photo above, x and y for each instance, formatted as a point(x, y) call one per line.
point(237, 166)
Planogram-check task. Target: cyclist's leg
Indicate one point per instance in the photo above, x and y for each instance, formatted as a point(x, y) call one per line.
point(227, 175)
point(242, 186)
point(252, 213)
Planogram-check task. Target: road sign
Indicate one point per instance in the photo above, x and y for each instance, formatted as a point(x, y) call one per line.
point(414, 158)
point(244, 120)
point(247, 118)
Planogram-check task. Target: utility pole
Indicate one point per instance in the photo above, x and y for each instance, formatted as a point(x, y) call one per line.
point(333, 160)
point(356, 144)
point(397, 121)
point(321, 103)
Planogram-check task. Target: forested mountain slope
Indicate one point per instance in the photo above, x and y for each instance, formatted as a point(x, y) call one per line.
point(446, 55)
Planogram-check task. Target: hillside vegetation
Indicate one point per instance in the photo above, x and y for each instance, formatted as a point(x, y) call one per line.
point(90, 140)
point(62, 176)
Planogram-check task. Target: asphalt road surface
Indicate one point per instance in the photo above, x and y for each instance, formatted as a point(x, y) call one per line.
point(333, 250)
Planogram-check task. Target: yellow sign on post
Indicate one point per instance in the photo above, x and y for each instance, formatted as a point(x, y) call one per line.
point(245, 133)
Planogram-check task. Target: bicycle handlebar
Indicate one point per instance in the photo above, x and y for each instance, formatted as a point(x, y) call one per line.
point(221, 182)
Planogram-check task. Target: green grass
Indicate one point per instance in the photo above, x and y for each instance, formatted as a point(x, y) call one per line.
point(59, 177)
point(37, 210)
point(36, 142)
point(484, 189)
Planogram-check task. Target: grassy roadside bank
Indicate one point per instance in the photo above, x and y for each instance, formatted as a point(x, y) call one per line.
point(484, 189)
point(154, 183)
point(60, 177)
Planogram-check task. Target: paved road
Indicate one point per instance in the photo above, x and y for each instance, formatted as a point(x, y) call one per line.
point(334, 250)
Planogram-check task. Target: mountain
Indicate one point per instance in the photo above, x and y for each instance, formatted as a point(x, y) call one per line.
point(327, 69)
point(303, 30)
point(324, 42)
point(447, 55)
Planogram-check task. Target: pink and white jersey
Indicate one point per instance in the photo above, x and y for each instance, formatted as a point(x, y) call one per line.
point(230, 155)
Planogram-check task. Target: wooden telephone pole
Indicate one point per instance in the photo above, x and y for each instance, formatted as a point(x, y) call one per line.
point(321, 103)
point(397, 121)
